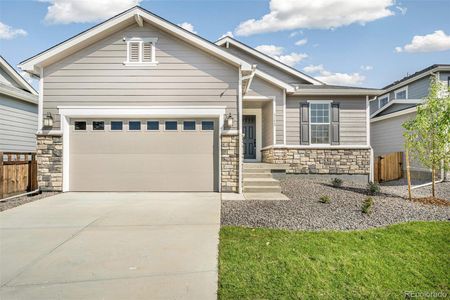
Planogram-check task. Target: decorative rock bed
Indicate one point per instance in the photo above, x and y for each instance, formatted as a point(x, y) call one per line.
point(305, 211)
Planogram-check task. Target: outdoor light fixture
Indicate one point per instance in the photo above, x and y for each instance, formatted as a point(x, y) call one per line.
point(229, 119)
point(48, 120)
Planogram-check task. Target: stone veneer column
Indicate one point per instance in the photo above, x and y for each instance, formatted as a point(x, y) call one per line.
point(320, 161)
point(230, 163)
point(49, 161)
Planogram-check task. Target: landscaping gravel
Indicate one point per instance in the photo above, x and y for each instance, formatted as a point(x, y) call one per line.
point(305, 212)
point(8, 204)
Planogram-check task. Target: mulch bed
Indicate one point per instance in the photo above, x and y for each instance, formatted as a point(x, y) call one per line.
point(431, 201)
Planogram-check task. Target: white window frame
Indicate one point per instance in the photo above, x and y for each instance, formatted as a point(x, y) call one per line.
point(99, 130)
point(141, 42)
point(329, 120)
point(80, 130)
point(405, 88)
point(195, 125)
point(382, 97)
point(206, 130)
point(153, 130)
point(134, 130)
point(171, 130)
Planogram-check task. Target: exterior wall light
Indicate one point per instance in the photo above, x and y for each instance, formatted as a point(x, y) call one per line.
point(48, 120)
point(229, 120)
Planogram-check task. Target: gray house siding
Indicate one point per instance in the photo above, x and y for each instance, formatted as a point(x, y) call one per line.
point(96, 76)
point(260, 87)
point(18, 125)
point(373, 106)
point(395, 108)
point(353, 128)
point(419, 88)
point(264, 66)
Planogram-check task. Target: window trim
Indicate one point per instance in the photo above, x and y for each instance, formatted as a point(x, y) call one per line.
point(153, 130)
point(141, 41)
point(170, 130)
point(405, 88)
point(328, 102)
point(110, 125)
point(201, 125)
point(189, 130)
point(134, 130)
point(82, 130)
point(382, 97)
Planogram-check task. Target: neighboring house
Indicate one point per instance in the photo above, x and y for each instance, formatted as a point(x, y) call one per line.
point(139, 104)
point(397, 104)
point(18, 111)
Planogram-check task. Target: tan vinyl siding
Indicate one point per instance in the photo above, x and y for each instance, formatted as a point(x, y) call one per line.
point(267, 125)
point(260, 87)
point(264, 66)
point(353, 129)
point(18, 125)
point(96, 76)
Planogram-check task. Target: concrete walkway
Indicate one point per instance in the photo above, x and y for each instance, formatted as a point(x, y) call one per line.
point(111, 246)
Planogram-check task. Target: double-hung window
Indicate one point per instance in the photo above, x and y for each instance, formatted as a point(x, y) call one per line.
point(141, 52)
point(402, 93)
point(383, 100)
point(320, 123)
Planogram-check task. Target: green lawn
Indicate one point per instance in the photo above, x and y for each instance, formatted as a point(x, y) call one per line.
point(375, 264)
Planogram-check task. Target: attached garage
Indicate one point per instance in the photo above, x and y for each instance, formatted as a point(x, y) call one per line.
point(143, 154)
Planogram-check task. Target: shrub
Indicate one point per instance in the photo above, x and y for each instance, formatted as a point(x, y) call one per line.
point(336, 182)
point(373, 188)
point(325, 199)
point(367, 206)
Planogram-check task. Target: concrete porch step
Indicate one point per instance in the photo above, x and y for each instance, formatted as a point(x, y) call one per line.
point(257, 170)
point(262, 189)
point(265, 166)
point(260, 182)
point(257, 175)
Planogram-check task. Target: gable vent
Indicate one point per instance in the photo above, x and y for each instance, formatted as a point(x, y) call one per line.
point(134, 51)
point(147, 52)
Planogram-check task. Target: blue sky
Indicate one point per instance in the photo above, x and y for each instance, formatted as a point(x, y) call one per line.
point(356, 49)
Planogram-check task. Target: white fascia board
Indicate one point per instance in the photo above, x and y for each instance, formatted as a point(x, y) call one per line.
point(336, 92)
point(289, 88)
point(30, 64)
point(268, 59)
point(394, 114)
point(16, 76)
point(18, 94)
point(399, 101)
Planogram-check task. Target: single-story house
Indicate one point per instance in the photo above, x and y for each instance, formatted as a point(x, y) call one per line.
point(137, 103)
point(18, 111)
point(397, 104)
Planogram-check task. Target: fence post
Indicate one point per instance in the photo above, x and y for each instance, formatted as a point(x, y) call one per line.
point(1, 175)
point(33, 173)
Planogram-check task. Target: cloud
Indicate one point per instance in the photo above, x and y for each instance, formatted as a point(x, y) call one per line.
point(85, 11)
point(188, 27)
point(228, 33)
point(295, 33)
point(8, 33)
point(277, 52)
point(334, 78)
point(317, 14)
point(366, 68)
point(433, 42)
point(402, 10)
point(301, 42)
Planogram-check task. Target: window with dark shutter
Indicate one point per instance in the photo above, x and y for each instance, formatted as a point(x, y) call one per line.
point(134, 51)
point(335, 124)
point(304, 124)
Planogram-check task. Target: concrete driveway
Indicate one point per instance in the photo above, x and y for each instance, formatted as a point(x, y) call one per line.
point(111, 246)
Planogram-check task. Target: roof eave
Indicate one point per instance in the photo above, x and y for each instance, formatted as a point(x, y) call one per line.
point(337, 92)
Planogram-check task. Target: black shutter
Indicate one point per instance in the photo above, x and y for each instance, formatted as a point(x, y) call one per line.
point(304, 124)
point(334, 124)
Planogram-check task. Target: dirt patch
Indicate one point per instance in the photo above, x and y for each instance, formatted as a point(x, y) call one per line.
point(431, 201)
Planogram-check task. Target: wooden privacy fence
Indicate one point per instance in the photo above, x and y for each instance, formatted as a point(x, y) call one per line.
point(388, 167)
point(18, 173)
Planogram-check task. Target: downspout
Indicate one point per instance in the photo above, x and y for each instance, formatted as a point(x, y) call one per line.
point(371, 162)
point(240, 132)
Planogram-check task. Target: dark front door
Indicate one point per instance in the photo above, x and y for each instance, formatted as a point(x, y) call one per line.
point(249, 128)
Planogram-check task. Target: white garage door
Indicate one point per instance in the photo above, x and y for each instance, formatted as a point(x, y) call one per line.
point(143, 155)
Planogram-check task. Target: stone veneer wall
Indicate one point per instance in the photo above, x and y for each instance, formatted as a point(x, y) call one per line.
point(230, 163)
point(320, 161)
point(49, 160)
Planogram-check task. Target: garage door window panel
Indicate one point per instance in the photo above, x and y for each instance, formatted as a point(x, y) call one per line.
point(134, 125)
point(171, 126)
point(80, 125)
point(153, 125)
point(189, 126)
point(98, 125)
point(116, 125)
point(207, 125)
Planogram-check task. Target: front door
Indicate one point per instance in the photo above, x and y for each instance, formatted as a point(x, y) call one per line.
point(249, 128)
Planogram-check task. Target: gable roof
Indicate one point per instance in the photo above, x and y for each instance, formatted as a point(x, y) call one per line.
point(402, 104)
point(135, 14)
point(16, 76)
point(417, 75)
point(268, 59)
